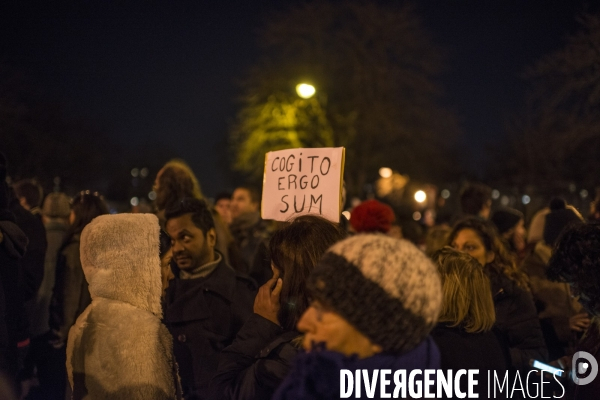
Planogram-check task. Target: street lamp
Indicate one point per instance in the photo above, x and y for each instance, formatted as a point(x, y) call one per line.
point(385, 172)
point(305, 90)
point(420, 196)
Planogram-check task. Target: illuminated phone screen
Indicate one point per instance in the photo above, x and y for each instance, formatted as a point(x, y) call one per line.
point(545, 367)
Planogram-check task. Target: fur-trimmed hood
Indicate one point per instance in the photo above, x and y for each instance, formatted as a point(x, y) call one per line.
point(120, 259)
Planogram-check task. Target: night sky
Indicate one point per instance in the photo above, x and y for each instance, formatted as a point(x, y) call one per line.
point(164, 73)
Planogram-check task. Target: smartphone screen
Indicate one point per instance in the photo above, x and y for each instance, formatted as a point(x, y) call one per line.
point(545, 367)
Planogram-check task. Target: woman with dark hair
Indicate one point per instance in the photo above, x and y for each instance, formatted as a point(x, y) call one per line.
point(258, 360)
point(70, 295)
point(516, 316)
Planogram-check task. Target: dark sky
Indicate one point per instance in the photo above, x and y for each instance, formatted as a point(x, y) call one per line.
point(164, 72)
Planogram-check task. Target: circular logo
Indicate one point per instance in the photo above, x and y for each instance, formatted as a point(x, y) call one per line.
point(583, 362)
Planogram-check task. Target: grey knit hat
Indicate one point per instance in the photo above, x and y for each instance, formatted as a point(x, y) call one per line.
point(386, 288)
point(56, 205)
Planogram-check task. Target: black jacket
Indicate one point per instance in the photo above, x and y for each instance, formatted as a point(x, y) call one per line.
point(251, 238)
point(13, 323)
point(204, 315)
point(517, 321)
point(462, 350)
point(256, 363)
point(70, 295)
point(32, 263)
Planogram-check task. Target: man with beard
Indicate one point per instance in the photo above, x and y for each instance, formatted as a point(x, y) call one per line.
point(207, 302)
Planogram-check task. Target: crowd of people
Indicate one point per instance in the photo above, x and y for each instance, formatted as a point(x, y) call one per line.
point(206, 300)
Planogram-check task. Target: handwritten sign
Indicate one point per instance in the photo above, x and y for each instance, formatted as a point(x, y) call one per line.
point(303, 181)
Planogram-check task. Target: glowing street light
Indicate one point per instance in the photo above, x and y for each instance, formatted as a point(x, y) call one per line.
point(305, 90)
point(385, 172)
point(420, 196)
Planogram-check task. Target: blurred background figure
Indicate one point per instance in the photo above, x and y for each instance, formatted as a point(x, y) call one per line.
point(32, 271)
point(464, 331)
point(55, 215)
point(436, 238)
point(516, 316)
point(251, 234)
point(70, 297)
point(375, 301)
point(561, 316)
point(30, 195)
point(535, 233)
point(476, 200)
point(174, 182)
point(223, 206)
point(271, 331)
point(372, 216)
point(576, 260)
point(55, 212)
point(14, 335)
point(595, 207)
point(511, 227)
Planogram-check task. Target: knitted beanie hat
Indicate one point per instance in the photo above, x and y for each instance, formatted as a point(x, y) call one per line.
point(558, 219)
point(506, 218)
point(386, 288)
point(372, 216)
point(56, 205)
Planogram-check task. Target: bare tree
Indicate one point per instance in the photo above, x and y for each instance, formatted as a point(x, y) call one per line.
point(374, 69)
point(558, 138)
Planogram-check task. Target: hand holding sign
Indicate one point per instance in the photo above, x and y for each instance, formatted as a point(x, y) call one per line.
point(303, 181)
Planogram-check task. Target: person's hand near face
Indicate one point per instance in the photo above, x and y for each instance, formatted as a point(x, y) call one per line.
point(266, 303)
point(579, 322)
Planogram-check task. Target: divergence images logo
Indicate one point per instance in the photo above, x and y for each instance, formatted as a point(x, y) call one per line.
point(580, 367)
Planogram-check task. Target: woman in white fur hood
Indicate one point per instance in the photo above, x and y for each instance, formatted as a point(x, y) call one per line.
point(118, 348)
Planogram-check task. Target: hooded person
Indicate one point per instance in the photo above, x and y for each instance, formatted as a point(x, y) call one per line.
point(375, 301)
point(118, 348)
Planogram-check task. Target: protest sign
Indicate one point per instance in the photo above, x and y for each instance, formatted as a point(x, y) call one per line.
point(303, 181)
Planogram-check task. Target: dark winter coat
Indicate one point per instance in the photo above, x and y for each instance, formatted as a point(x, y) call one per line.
point(462, 350)
point(316, 375)
point(13, 247)
point(554, 303)
point(32, 263)
point(517, 321)
point(256, 363)
point(3, 331)
point(204, 315)
point(251, 236)
point(70, 295)
point(38, 308)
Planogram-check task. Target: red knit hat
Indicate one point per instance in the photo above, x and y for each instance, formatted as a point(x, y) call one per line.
point(372, 216)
